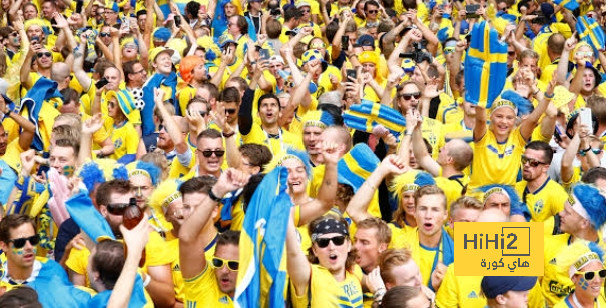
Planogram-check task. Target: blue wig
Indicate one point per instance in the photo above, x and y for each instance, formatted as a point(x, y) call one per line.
point(424, 179)
point(593, 202)
point(523, 105)
point(151, 169)
point(120, 172)
point(597, 249)
point(291, 153)
point(91, 174)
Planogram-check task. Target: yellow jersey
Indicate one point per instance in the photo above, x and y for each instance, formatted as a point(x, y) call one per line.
point(325, 291)
point(202, 290)
point(494, 162)
point(276, 145)
point(547, 201)
point(460, 291)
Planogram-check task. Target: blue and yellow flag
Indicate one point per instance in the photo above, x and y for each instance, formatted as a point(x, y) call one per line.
point(262, 274)
point(40, 113)
point(485, 66)
point(367, 115)
point(81, 209)
point(570, 5)
point(591, 32)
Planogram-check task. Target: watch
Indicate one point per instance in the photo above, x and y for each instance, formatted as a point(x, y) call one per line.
point(227, 135)
point(212, 196)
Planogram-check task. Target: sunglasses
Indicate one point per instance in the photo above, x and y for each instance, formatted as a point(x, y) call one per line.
point(230, 111)
point(218, 263)
point(104, 34)
point(408, 96)
point(373, 11)
point(337, 240)
point(44, 54)
point(209, 153)
point(588, 275)
point(119, 208)
point(202, 113)
point(532, 162)
point(511, 53)
point(20, 242)
point(304, 11)
point(585, 54)
point(14, 33)
point(449, 50)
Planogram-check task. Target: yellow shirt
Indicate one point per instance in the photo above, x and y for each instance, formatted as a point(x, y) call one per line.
point(432, 131)
point(452, 187)
point(496, 163)
point(547, 201)
point(460, 291)
point(203, 291)
point(276, 145)
point(125, 138)
point(327, 292)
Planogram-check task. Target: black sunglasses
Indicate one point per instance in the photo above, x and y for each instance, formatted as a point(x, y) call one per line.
point(230, 111)
point(119, 208)
point(44, 54)
point(209, 153)
point(590, 275)
point(337, 240)
point(373, 11)
point(532, 162)
point(104, 34)
point(408, 96)
point(232, 265)
point(20, 242)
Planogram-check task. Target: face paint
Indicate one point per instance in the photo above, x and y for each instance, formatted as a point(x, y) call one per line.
point(584, 283)
point(17, 251)
point(68, 170)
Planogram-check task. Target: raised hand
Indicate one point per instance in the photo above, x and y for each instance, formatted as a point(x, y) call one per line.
point(137, 237)
point(27, 161)
point(230, 180)
point(330, 152)
point(92, 125)
point(60, 21)
point(196, 120)
point(394, 164)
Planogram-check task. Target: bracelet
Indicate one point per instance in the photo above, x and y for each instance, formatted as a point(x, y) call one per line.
point(212, 196)
point(227, 135)
point(379, 293)
point(371, 186)
point(147, 280)
point(549, 96)
point(408, 133)
point(536, 92)
point(8, 113)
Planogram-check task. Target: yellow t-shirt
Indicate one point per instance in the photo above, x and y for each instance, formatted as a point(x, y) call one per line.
point(125, 138)
point(77, 262)
point(203, 291)
point(432, 131)
point(547, 201)
point(496, 163)
point(460, 291)
point(276, 145)
point(327, 292)
point(452, 187)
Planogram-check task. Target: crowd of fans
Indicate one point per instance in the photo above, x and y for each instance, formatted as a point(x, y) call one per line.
point(388, 134)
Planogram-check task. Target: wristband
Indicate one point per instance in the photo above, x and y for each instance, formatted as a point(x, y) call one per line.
point(379, 294)
point(147, 280)
point(227, 135)
point(212, 196)
point(583, 152)
point(8, 113)
point(549, 96)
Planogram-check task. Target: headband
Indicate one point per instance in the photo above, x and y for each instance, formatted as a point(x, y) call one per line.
point(578, 207)
point(493, 191)
point(172, 197)
point(504, 103)
point(582, 262)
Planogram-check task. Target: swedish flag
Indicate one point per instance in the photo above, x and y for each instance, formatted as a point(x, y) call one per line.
point(367, 115)
point(568, 4)
point(44, 89)
point(262, 275)
point(591, 32)
point(485, 66)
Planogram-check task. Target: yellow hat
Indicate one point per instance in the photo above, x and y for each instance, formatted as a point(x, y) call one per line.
point(561, 96)
point(154, 52)
point(126, 101)
point(369, 56)
point(34, 22)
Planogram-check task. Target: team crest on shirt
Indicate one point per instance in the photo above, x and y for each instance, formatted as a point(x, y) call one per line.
point(472, 294)
point(118, 143)
point(508, 150)
point(538, 206)
point(176, 268)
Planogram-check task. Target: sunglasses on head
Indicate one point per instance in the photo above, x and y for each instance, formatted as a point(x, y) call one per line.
point(532, 162)
point(20, 242)
point(230, 111)
point(104, 34)
point(209, 153)
point(218, 263)
point(591, 275)
point(337, 240)
point(408, 96)
point(119, 208)
point(44, 54)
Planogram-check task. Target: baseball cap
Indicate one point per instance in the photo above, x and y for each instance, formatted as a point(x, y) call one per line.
point(302, 4)
point(154, 52)
point(495, 285)
point(366, 40)
point(276, 58)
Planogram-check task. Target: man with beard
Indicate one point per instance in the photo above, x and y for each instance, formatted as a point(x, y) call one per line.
point(543, 196)
point(113, 197)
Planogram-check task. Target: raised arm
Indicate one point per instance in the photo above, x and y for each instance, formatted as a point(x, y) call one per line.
point(171, 126)
point(422, 157)
point(29, 129)
point(567, 167)
point(82, 77)
point(191, 246)
point(135, 239)
point(357, 208)
point(89, 127)
point(297, 265)
point(479, 130)
point(531, 122)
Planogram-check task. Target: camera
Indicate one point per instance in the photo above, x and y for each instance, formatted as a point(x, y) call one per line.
point(417, 55)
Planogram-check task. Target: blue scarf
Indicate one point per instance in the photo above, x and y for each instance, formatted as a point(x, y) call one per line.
point(147, 113)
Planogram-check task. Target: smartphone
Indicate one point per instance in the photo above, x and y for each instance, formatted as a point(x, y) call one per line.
point(345, 42)
point(177, 20)
point(101, 83)
point(351, 74)
point(264, 54)
point(79, 5)
point(470, 11)
point(585, 115)
point(35, 40)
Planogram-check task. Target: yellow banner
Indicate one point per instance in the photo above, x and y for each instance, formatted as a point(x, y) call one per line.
point(499, 249)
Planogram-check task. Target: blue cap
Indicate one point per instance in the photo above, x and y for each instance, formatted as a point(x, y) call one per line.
point(495, 285)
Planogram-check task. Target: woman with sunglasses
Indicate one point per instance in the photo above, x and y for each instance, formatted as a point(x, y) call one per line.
point(583, 263)
point(328, 278)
